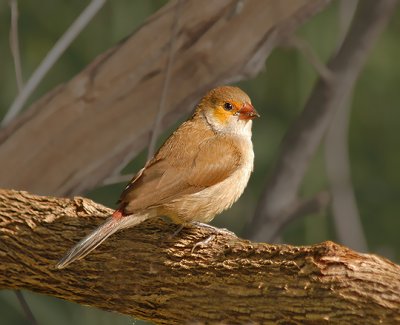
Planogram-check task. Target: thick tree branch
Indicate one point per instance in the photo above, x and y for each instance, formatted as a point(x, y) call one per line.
point(92, 125)
point(143, 273)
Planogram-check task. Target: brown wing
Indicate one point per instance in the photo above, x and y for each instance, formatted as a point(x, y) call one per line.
point(216, 160)
point(173, 174)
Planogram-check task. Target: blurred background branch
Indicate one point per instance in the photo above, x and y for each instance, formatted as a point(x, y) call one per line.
point(120, 85)
point(116, 177)
point(344, 206)
point(305, 135)
point(317, 204)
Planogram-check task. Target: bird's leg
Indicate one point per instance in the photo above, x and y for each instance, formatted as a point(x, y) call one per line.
point(216, 230)
point(222, 231)
point(177, 231)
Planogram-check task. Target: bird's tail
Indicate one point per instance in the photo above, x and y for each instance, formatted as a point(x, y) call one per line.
point(95, 238)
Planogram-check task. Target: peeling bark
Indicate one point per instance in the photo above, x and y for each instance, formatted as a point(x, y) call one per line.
point(144, 273)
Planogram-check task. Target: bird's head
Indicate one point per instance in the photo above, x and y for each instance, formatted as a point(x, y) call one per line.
point(228, 109)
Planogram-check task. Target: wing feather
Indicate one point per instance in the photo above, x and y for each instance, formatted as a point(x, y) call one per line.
point(182, 167)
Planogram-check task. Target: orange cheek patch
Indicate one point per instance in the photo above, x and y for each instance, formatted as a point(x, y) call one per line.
point(221, 115)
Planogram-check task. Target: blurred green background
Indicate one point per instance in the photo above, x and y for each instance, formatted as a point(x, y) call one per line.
point(278, 93)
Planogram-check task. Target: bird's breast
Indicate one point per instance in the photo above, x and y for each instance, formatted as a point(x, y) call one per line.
point(229, 191)
point(205, 204)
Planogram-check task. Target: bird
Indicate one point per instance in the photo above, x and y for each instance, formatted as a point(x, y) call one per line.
point(200, 170)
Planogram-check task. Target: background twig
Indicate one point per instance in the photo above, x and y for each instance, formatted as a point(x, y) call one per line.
point(14, 44)
point(58, 49)
point(163, 98)
point(317, 204)
point(305, 48)
point(25, 307)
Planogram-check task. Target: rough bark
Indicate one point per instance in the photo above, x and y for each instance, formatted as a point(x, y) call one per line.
point(144, 273)
point(85, 130)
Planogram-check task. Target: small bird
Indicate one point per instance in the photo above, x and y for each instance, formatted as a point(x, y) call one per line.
point(201, 170)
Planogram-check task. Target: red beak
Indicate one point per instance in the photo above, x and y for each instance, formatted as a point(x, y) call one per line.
point(248, 112)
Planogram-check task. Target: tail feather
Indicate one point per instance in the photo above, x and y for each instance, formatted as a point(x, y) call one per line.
point(94, 239)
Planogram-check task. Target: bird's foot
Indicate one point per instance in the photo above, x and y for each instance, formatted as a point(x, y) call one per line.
point(177, 231)
point(203, 243)
point(222, 231)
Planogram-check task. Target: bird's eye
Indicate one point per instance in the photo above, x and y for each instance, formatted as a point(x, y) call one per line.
point(228, 106)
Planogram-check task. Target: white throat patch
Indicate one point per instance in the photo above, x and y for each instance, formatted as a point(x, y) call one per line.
point(232, 126)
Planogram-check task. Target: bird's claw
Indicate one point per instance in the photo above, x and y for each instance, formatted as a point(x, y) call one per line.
point(222, 231)
point(203, 243)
